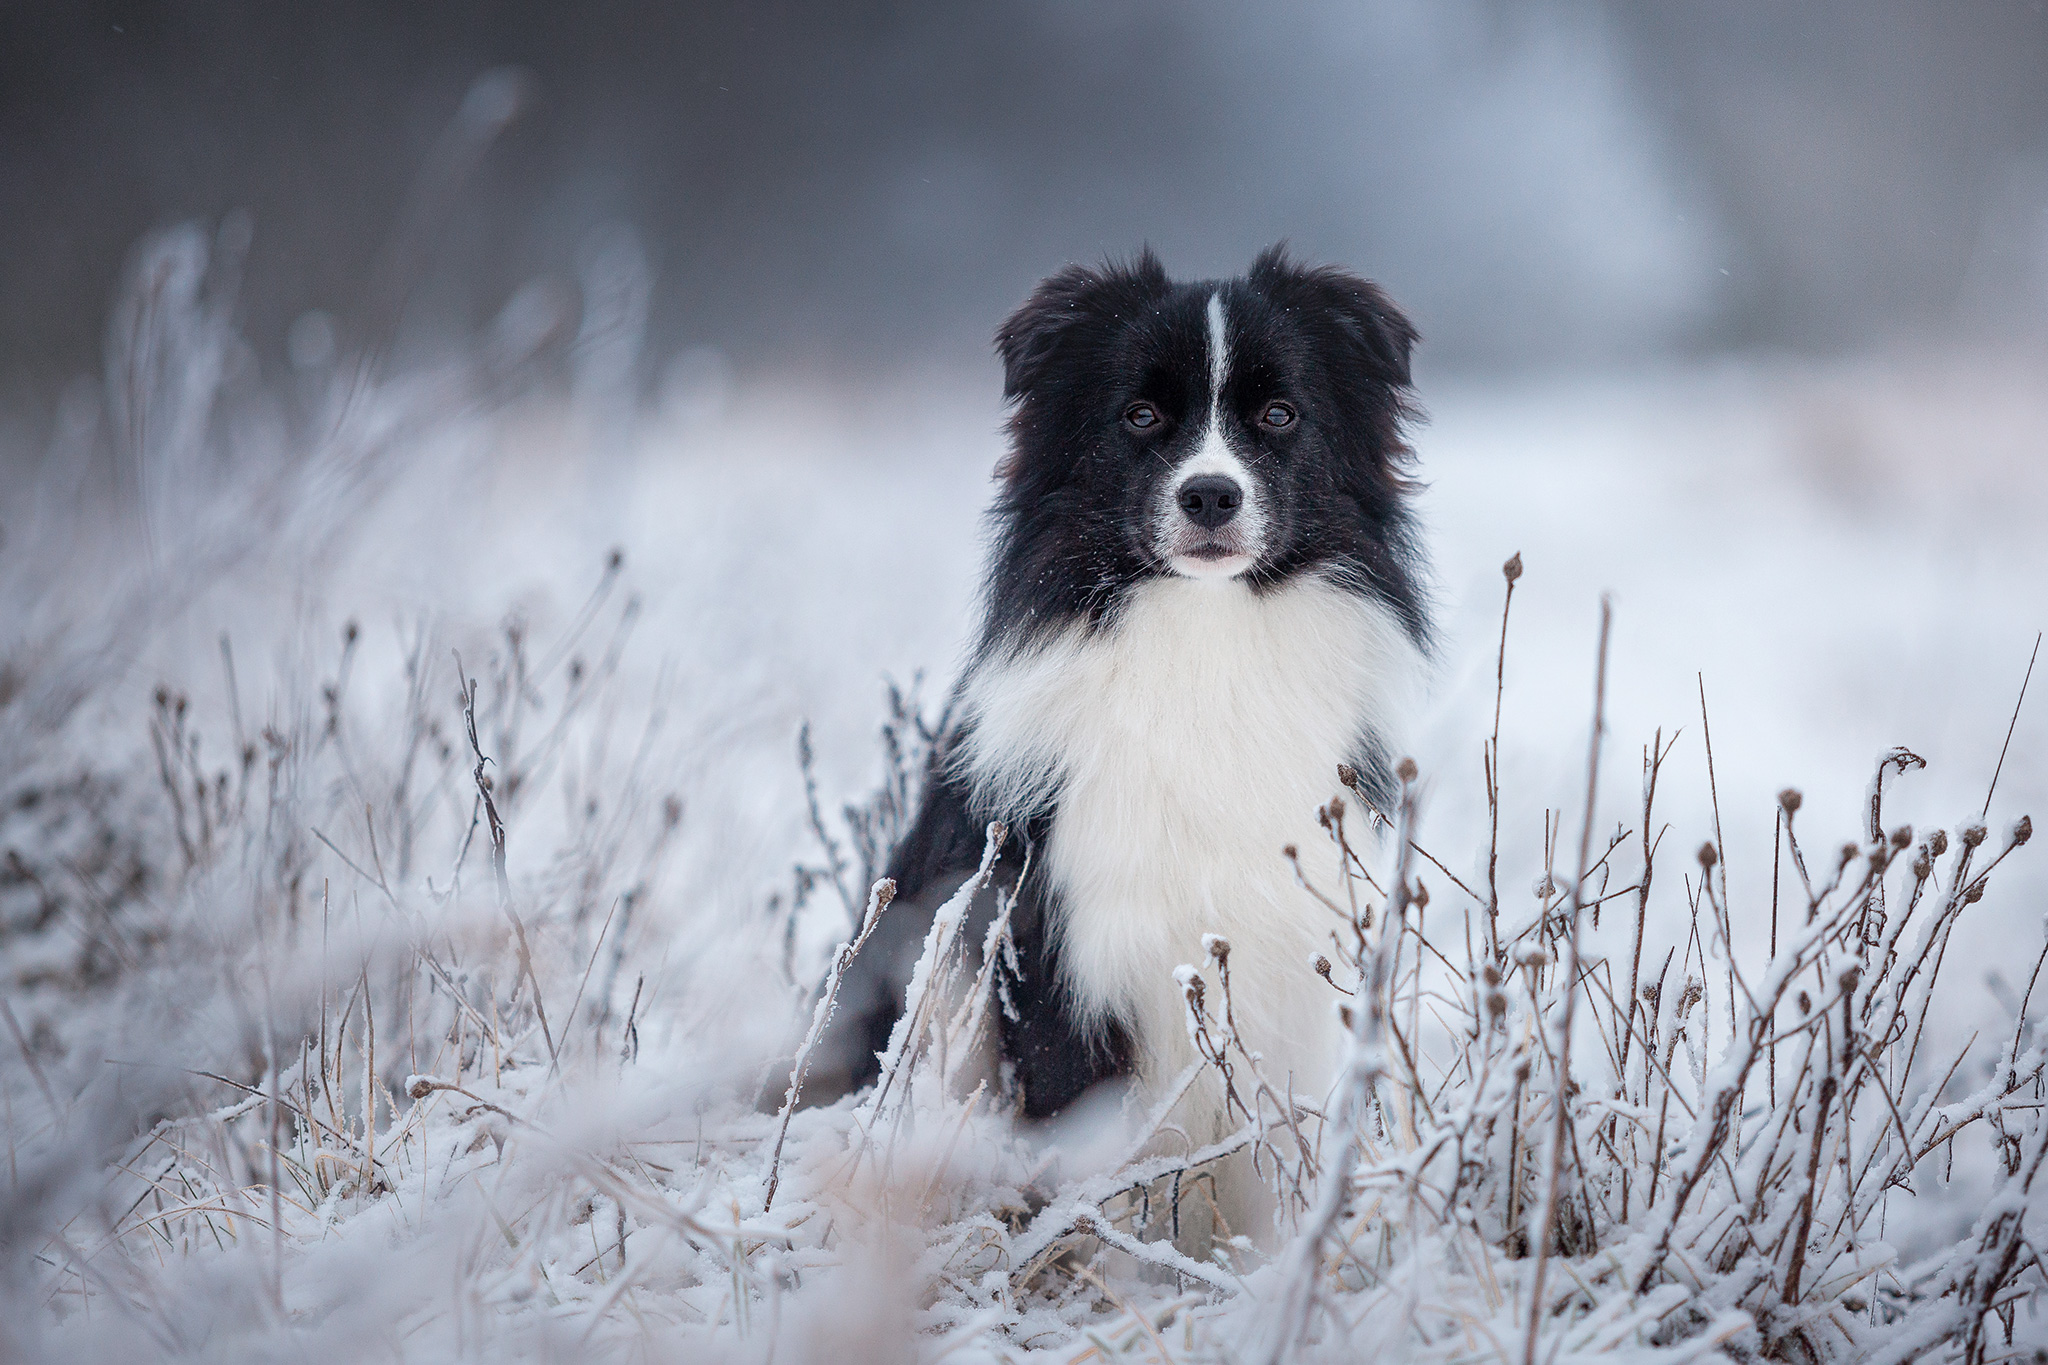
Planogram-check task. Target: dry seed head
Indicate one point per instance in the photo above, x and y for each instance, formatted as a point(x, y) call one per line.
point(1347, 774)
point(1693, 993)
point(1490, 974)
point(1545, 887)
point(1849, 852)
point(1496, 1004)
point(1923, 866)
point(1938, 845)
point(1902, 836)
point(1708, 857)
point(1512, 570)
point(1322, 966)
point(1849, 977)
point(1290, 853)
point(1972, 835)
point(1216, 946)
point(2022, 830)
point(1974, 892)
point(1406, 770)
point(1790, 799)
point(1421, 896)
point(1533, 955)
point(1805, 1003)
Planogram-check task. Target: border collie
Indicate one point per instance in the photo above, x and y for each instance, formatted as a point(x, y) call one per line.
point(1203, 596)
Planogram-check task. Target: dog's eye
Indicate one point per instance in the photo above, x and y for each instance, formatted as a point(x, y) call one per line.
point(1278, 416)
point(1141, 416)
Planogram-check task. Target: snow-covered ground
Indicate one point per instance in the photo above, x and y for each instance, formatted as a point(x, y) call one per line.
point(1847, 557)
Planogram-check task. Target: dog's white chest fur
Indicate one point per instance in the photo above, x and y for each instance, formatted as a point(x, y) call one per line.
point(1188, 745)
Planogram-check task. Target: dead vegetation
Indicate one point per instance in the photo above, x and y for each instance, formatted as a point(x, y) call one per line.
point(387, 1025)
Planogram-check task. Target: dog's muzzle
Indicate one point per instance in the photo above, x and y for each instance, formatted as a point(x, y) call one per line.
point(1211, 531)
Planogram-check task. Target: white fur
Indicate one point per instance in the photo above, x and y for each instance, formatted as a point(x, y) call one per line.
point(1213, 455)
point(1187, 744)
point(1219, 353)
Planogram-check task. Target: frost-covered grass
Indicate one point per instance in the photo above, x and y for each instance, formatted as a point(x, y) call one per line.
point(400, 933)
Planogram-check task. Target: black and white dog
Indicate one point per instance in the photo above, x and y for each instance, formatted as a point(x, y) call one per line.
point(1203, 596)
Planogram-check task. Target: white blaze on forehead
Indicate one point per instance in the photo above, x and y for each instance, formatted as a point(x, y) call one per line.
point(1219, 355)
point(1212, 453)
point(1176, 535)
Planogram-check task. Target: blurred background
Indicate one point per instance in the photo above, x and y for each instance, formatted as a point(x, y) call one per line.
point(863, 185)
point(338, 338)
point(1738, 311)
point(1741, 308)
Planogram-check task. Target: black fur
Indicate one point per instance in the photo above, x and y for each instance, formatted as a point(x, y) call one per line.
point(1072, 519)
point(1073, 533)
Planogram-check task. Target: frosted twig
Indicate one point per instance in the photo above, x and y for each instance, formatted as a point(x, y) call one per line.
point(921, 997)
point(497, 832)
point(1365, 1063)
point(879, 897)
point(1559, 1100)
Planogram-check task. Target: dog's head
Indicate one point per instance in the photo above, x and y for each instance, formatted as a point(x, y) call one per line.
point(1248, 428)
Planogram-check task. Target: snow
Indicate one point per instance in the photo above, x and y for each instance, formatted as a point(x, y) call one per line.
point(1843, 557)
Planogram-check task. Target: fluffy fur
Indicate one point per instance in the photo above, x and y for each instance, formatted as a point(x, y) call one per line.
point(1185, 749)
point(1202, 597)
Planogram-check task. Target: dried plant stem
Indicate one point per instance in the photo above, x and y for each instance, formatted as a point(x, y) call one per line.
point(498, 873)
point(1553, 1161)
point(2011, 726)
point(1365, 1063)
point(879, 897)
point(1510, 571)
point(922, 999)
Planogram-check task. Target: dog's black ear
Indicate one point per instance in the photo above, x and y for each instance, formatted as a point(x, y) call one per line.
point(1031, 336)
point(1034, 333)
point(1376, 335)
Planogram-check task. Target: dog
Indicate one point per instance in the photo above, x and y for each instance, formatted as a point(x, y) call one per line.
point(1204, 594)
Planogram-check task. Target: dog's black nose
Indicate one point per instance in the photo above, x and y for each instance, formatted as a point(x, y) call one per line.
point(1210, 500)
